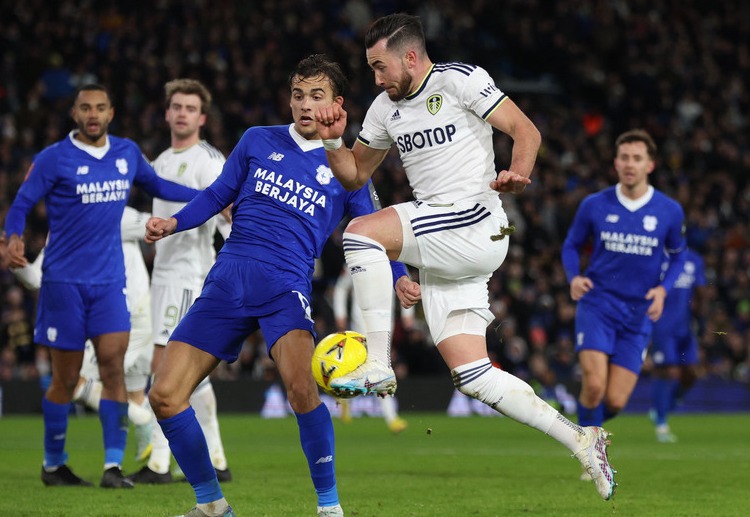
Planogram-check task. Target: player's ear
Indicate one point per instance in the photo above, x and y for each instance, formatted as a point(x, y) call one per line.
point(339, 100)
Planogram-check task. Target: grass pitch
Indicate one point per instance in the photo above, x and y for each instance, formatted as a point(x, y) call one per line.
point(474, 466)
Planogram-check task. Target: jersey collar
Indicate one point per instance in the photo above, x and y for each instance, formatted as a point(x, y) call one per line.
point(304, 143)
point(96, 152)
point(422, 84)
point(634, 204)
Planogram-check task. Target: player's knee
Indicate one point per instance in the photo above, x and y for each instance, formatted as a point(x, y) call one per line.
point(302, 396)
point(163, 403)
point(592, 391)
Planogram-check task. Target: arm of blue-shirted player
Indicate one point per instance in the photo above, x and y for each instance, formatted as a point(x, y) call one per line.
point(146, 177)
point(365, 201)
point(209, 202)
point(578, 234)
point(676, 249)
point(36, 185)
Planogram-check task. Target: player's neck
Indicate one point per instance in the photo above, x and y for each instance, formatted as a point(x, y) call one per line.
point(634, 191)
point(183, 143)
point(421, 70)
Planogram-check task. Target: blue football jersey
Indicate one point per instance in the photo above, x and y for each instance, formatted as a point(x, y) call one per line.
point(677, 313)
point(85, 197)
point(628, 247)
point(286, 200)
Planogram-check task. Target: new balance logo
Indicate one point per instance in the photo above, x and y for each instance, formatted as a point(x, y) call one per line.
point(324, 459)
point(82, 170)
point(612, 218)
point(396, 115)
point(277, 157)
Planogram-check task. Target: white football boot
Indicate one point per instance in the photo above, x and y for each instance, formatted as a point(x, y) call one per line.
point(330, 511)
point(371, 377)
point(593, 458)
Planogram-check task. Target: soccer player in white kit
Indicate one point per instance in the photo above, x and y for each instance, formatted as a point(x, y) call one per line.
point(181, 263)
point(441, 118)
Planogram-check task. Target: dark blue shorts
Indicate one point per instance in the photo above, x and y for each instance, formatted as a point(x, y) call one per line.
point(674, 347)
point(68, 314)
point(622, 337)
point(240, 297)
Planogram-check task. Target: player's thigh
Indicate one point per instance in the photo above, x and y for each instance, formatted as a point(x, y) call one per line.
point(169, 304)
point(382, 226)
point(453, 307)
point(292, 354)
point(107, 309)
point(61, 317)
point(183, 367)
point(454, 241)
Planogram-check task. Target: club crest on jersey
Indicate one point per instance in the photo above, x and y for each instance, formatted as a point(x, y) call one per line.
point(323, 175)
point(181, 169)
point(649, 223)
point(122, 165)
point(51, 334)
point(434, 103)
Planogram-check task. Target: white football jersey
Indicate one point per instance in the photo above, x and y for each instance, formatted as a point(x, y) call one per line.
point(442, 137)
point(184, 259)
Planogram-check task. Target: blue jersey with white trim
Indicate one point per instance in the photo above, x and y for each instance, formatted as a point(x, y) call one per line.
point(677, 313)
point(85, 196)
point(286, 200)
point(628, 246)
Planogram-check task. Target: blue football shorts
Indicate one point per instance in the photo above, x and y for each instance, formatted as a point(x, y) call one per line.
point(623, 337)
point(68, 314)
point(240, 297)
point(670, 348)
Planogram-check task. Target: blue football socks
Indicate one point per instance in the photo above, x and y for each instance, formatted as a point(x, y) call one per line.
point(114, 418)
point(316, 437)
point(191, 452)
point(55, 430)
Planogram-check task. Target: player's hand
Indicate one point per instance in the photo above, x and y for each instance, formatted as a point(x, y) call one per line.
point(331, 121)
point(158, 228)
point(16, 256)
point(408, 292)
point(579, 286)
point(657, 295)
point(509, 182)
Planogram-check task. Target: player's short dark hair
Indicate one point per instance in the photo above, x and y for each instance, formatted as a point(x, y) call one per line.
point(92, 87)
point(188, 87)
point(398, 30)
point(638, 135)
point(316, 65)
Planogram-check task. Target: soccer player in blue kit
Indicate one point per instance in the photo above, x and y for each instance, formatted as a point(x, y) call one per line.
point(621, 292)
point(674, 346)
point(85, 181)
point(286, 205)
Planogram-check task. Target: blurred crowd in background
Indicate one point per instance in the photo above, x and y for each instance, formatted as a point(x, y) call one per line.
point(584, 71)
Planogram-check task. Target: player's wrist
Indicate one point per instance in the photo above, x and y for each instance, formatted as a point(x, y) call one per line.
point(331, 144)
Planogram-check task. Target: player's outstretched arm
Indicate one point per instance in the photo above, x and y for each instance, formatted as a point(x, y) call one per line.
point(158, 228)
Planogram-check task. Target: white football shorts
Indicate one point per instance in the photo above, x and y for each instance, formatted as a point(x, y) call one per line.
point(168, 306)
point(456, 248)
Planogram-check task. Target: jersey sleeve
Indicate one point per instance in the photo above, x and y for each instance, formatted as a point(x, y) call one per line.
point(374, 133)
point(221, 192)
point(675, 247)
point(133, 224)
point(578, 233)
point(479, 93)
point(39, 180)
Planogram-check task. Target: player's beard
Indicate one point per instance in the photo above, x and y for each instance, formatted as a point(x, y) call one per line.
point(403, 85)
point(92, 137)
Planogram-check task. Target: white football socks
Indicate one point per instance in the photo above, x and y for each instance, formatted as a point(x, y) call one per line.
point(203, 401)
point(373, 285)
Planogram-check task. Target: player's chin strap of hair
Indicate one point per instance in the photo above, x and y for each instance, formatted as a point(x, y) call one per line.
point(331, 144)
